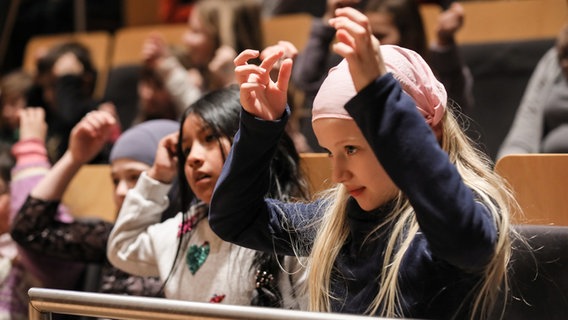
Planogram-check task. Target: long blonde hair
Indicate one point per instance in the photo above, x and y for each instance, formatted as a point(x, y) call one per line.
point(477, 173)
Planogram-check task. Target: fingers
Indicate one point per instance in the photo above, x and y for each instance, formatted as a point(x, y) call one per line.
point(32, 114)
point(290, 50)
point(269, 51)
point(32, 123)
point(245, 56)
point(170, 143)
point(353, 30)
point(165, 163)
point(358, 46)
point(249, 73)
point(153, 47)
point(284, 75)
point(271, 59)
point(353, 15)
point(96, 123)
point(259, 94)
point(243, 70)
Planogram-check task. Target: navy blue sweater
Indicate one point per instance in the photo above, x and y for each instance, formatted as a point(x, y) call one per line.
point(446, 258)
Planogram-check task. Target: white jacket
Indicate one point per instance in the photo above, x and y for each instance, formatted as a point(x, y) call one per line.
point(139, 244)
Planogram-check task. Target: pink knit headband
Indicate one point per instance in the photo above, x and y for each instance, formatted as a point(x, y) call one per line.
point(407, 66)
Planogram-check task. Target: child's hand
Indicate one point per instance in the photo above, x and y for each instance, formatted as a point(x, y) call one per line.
point(358, 46)
point(332, 5)
point(154, 49)
point(260, 95)
point(221, 66)
point(32, 124)
point(449, 22)
point(116, 130)
point(289, 49)
point(90, 135)
point(164, 168)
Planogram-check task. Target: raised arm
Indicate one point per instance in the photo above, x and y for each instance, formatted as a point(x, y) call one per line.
point(35, 226)
point(157, 55)
point(88, 137)
point(239, 213)
point(446, 59)
point(459, 228)
point(135, 240)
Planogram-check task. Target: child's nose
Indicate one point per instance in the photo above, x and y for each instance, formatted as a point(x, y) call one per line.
point(122, 188)
point(339, 171)
point(196, 156)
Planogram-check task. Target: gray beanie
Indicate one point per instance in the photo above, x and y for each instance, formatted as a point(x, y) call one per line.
point(141, 141)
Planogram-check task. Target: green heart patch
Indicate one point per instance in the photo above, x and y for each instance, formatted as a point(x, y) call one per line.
point(196, 256)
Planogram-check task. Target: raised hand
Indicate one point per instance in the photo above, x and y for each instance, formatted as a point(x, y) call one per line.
point(221, 66)
point(449, 22)
point(333, 5)
point(288, 48)
point(89, 136)
point(32, 124)
point(289, 51)
point(164, 168)
point(358, 46)
point(111, 108)
point(259, 94)
point(154, 49)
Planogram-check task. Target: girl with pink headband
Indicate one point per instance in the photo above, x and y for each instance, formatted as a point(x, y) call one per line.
point(417, 225)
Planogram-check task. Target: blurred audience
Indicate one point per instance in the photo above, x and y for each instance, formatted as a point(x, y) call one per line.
point(216, 30)
point(14, 89)
point(541, 121)
point(175, 11)
point(64, 85)
point(36, 226)
point(31, 164)
point(396, 22)
point(14, 279)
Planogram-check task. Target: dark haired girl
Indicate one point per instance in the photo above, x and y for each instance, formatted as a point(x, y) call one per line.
point(194, 263)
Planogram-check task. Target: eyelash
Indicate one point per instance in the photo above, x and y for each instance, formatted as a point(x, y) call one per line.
point(349, 150)
point(210, 138)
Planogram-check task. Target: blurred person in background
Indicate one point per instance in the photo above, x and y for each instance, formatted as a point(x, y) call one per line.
point(541, 121)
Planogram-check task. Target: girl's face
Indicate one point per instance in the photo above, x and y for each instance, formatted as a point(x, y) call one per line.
point(204, 156)
point(155, 100)
point(199, 40)
point(383, 28)
point(354, 163)
point(125, 172)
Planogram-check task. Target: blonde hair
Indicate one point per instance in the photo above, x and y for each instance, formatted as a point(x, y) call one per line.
point(477, 173)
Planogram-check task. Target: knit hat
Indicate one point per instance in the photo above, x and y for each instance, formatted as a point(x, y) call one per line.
point(407, 66)
point(141, 141)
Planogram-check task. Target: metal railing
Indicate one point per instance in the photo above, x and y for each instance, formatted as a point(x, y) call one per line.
point(44, 302)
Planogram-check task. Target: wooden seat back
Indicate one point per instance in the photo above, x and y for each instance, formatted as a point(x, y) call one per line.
point(539, 182)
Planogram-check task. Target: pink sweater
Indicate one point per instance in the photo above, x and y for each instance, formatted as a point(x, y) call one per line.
point(31, 166)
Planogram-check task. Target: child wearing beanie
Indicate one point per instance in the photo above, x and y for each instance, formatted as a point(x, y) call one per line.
point(36, 228)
